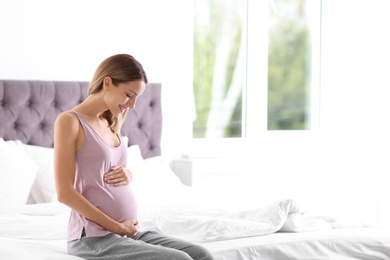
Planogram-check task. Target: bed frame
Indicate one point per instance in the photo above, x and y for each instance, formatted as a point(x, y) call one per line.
point(28, 109)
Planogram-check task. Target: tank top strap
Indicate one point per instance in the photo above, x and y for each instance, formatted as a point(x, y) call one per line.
point(88, 129)
point(82, 120)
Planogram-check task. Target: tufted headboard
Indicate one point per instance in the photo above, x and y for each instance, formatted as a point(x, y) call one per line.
point(28, 110)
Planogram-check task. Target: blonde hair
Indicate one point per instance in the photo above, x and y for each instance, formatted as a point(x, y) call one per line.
point(120, 68)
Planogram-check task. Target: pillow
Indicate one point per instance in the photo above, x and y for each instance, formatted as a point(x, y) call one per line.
point(135, 160)
point(18, 173)
point(43, 190)
point(153, 169)
point(155, 184)
point(159, 170)
point(150, 173)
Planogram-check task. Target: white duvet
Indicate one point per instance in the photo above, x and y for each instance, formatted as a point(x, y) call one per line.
point(49, 221)
point(202, 224)
point(39, 231)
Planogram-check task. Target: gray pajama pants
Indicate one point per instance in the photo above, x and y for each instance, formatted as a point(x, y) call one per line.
point(147, 245)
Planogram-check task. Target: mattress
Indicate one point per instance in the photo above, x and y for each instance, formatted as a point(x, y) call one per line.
point(337, 244)
point(39, 232)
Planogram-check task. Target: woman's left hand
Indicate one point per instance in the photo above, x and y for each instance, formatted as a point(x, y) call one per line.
point(118, 175)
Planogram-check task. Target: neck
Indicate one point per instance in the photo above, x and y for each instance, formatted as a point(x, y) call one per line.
point(93, 106)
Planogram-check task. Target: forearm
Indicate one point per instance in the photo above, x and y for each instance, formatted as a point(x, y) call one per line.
point(80, 204)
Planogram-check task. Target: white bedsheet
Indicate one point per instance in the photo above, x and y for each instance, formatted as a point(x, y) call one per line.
point(36, 231)
point(39, 232)
point(336, 244)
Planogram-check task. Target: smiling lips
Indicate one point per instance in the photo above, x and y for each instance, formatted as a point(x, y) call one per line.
point(122, 108)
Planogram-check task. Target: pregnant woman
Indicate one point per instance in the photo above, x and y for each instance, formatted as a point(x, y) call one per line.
point(91, 178)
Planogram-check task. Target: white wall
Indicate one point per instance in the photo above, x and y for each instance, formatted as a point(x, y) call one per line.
point(355, 82)
point(355, 89)
point(67, 39)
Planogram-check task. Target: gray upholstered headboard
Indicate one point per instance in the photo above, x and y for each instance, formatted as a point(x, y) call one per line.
point(28, 110)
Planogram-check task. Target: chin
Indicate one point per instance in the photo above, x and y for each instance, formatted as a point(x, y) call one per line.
point(121, 113)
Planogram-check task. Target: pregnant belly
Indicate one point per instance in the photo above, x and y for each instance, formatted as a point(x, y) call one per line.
point(117, 202)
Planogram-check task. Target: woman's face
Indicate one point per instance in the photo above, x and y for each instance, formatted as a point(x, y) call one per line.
point(124, 96)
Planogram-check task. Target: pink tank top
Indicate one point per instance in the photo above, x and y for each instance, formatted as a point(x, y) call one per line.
point(93, 160)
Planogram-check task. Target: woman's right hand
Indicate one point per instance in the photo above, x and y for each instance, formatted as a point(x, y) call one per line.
point(129, 228)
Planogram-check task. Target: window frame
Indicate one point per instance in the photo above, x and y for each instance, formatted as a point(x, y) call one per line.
point(254, 125)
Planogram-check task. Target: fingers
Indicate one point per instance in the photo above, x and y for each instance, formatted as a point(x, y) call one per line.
point(136, 228)
point(121, 183)
point(116, 180)
point(113, 168)
point(131, 228)
point(118, 176)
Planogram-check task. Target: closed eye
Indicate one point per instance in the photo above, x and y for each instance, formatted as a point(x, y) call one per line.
point(132, 94)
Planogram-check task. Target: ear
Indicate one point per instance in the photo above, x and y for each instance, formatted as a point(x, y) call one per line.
point(107, 82)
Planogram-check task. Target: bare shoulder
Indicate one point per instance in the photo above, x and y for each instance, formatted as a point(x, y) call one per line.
point(67, 121)
point(66, 117)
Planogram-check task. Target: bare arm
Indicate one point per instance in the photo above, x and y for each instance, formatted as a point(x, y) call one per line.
point(66, 141)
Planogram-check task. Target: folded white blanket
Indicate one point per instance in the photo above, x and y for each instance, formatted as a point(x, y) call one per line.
point(207, 225)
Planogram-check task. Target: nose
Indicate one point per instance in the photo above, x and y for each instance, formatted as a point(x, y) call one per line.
point(131, 104)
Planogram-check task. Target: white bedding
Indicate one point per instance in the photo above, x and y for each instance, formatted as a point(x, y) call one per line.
point(207, 224)
point(335, 244)
point(38, 231)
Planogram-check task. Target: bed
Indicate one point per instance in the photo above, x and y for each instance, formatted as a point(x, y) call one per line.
point(33, 223)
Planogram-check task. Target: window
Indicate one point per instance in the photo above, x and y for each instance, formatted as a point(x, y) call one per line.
point(255, 66)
